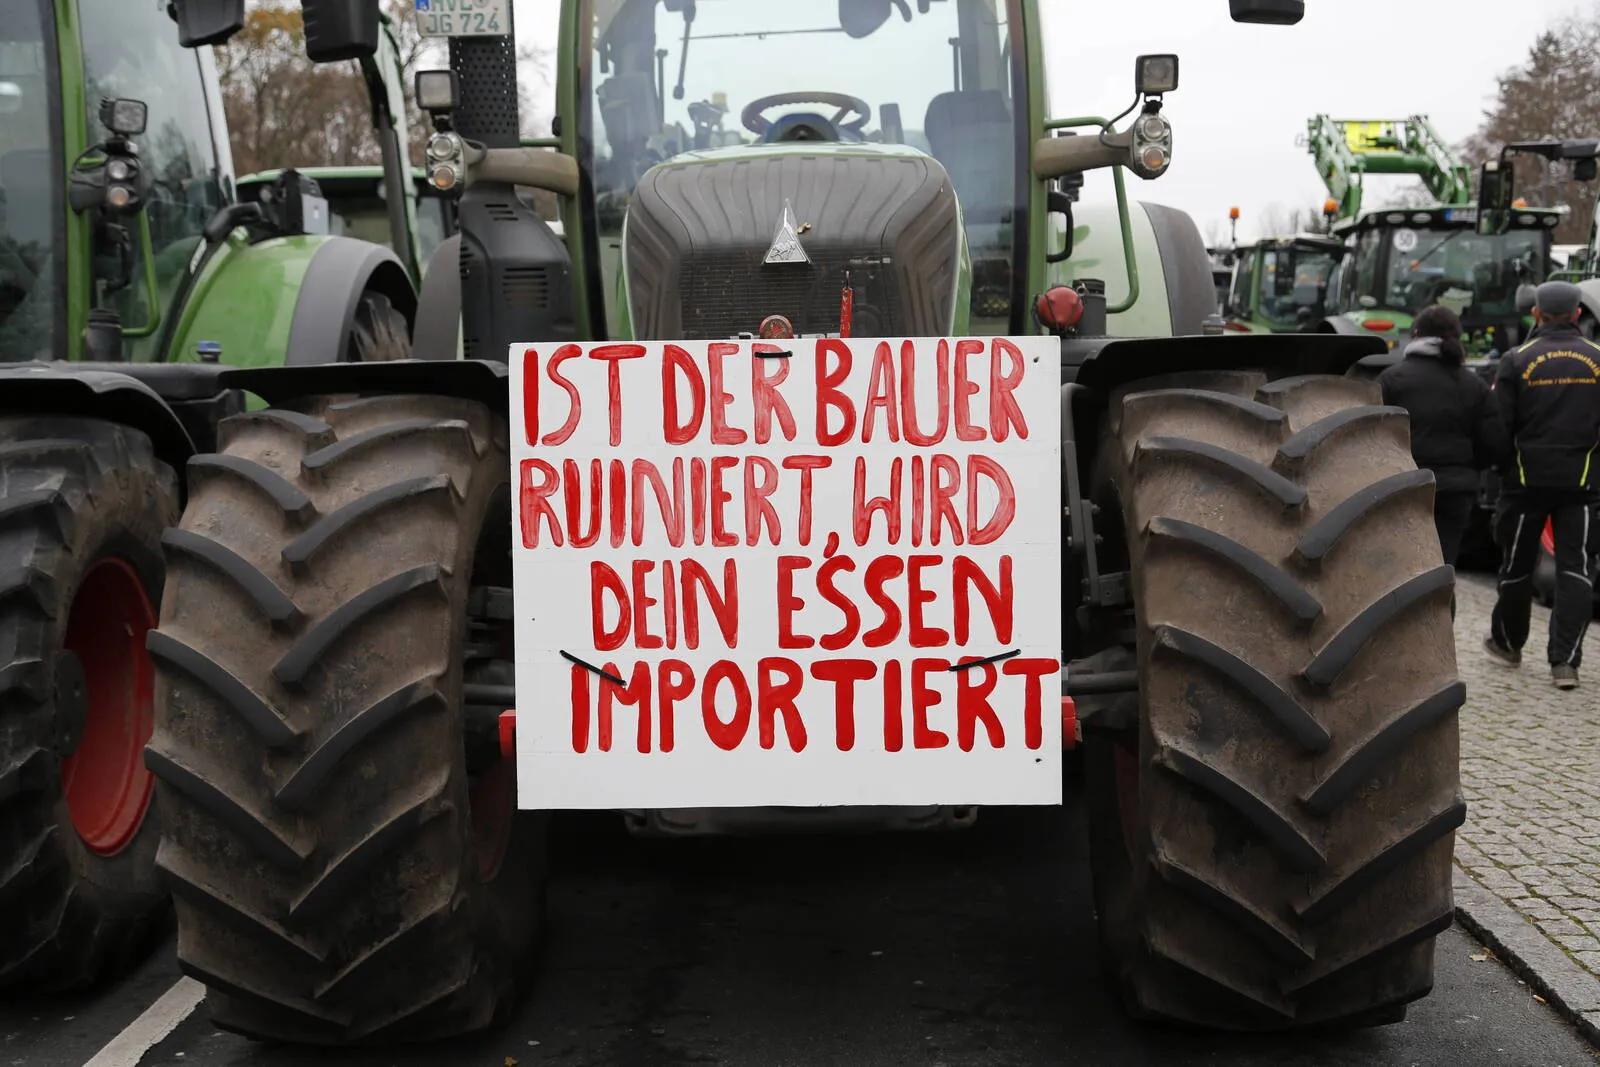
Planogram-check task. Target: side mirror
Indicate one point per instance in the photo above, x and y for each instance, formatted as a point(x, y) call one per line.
point(1496, 184)
point(1268, 12)
point(340, 29)
point(207, 21)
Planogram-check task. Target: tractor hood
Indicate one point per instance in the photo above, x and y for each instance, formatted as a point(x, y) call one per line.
point(715, 242)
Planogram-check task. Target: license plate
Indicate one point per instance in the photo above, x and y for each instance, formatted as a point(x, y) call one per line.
point(463, 18)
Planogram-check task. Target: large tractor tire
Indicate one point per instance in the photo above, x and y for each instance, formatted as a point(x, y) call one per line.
point(340, 835)
point(1272, 823)
point(82, 507)
point(380, 333)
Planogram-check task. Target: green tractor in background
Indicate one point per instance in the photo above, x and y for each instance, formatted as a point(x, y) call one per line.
point(1272, 793)
point(131, 277)
point(359, 207)
point(1280, 285)
point(1401, 260)
point(413, 225)
point(1499, 209)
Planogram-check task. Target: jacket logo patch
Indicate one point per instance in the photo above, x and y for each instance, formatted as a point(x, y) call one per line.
point(786, 247)
point(1538, 361)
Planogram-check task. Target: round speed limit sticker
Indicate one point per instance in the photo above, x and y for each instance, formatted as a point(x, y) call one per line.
point(1405, 240)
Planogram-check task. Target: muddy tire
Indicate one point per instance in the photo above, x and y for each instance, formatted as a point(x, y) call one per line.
point(1273, 822)
point(344, 852)
point(82, 507)
point(380, 332)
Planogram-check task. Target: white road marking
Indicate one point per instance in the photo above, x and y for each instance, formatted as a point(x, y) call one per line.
point(145, 1032)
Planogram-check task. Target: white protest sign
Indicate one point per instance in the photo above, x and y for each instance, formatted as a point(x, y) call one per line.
point(744, 571)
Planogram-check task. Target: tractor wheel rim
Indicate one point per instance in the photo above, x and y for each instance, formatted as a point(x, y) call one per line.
point(104, 780)
point(493, 802)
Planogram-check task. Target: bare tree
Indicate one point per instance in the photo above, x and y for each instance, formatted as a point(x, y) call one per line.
point(1554, 93)
point(283, 110)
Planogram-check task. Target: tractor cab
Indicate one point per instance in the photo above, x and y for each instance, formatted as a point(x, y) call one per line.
point(118, 206)
point(876, 141)
point(1281, 286)
point(141, 192)
point(1402, 261)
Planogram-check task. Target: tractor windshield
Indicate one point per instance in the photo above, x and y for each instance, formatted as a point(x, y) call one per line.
point(672, 76)
point(1409, 268)
point(1294, 284)
point(29, 212)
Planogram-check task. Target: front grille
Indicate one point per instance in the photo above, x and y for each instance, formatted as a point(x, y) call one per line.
point(727, 293)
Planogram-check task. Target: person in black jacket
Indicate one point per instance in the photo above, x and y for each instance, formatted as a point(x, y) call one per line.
point(1456, 430)
point(1548, 392)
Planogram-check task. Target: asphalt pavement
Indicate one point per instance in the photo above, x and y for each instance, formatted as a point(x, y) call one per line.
point(964, 947)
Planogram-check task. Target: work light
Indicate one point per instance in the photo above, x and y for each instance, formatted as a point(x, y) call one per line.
point(437, 91)
point(123, 117)
point(1156, 74)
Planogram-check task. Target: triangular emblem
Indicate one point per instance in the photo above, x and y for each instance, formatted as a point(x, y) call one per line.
point(786, 247)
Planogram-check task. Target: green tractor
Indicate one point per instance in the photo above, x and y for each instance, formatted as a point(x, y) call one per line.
point(1281, 285)
point(359, 208)
point(1273, 793)
point(1499, 210)
point(413, 225)
point(130, 279)
point(1401, 260)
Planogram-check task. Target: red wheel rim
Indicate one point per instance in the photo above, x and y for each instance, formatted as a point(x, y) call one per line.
point(493, 800)
point(104, 779)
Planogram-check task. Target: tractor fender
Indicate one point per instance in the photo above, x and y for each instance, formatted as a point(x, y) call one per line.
point(340, 270)
point(437, 332)
point(1191, 290)
point(286, 299)
point(485, 381)
point(1091, 368)
point(1118, 362)
point(109, 395)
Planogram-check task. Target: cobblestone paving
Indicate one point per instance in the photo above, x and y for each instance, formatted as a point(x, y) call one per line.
point(1530, 771)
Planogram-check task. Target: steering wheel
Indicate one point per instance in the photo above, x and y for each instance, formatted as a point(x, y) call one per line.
point(759, 124)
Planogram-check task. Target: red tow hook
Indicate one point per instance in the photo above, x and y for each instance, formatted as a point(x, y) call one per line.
point(508, 734)
point(1070, 737)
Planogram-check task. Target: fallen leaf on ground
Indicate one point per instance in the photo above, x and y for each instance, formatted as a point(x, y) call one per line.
point(1479, 957)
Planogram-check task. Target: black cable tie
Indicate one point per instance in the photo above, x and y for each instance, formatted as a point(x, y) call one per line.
point(591, 668)
point(773, 355)
point(984, 662)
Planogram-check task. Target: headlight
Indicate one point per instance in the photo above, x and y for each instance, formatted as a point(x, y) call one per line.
point(1154, 128)
point(444, 177)
point(1154, 158)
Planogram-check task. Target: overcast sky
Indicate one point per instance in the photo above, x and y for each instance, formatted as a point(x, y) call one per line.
point(1246, 91)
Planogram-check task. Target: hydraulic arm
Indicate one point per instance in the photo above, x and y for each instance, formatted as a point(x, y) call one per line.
point(1346, 150)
